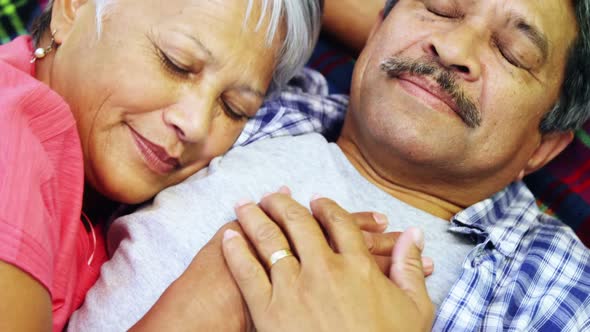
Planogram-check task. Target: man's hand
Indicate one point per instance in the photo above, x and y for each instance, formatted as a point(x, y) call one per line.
point(324, 289)
point(379, 244)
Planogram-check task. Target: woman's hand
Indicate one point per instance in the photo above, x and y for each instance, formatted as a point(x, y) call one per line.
point(324, 289)
point(206, 298)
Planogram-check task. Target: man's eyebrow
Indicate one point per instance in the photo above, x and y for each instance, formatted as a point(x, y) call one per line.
point(534, 34)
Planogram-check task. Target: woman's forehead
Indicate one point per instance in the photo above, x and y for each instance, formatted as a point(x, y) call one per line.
point(219, 21)
point(252, 15)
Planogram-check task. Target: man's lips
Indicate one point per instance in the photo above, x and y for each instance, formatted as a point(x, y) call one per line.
point(155, 156)
point(431, 88)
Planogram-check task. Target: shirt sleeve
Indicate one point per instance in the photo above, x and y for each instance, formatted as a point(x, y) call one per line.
point(304, 106)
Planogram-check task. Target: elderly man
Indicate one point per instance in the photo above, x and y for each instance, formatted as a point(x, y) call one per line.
point(452, 103)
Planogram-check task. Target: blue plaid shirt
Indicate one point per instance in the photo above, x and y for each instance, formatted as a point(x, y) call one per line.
point(527, 272)
point(304, 106)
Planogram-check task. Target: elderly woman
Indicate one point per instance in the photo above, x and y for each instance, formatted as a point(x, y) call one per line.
point(115, 101)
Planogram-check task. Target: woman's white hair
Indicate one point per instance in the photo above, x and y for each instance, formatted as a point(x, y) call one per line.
point(301, 20)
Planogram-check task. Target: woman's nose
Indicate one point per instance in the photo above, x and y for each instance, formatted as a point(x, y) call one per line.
point(191, 117)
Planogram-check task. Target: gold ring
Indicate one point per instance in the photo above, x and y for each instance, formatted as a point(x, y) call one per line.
point(278, 255)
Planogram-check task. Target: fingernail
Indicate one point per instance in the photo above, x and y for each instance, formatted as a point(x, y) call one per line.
point(285, 190)
point(316, 196)
point(242, 202)
point(427, 264)
point(418, 237)
point(230, 234)
point(380, 218)
point(266, 195)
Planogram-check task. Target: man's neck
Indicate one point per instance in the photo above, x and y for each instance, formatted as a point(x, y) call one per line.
point(418, 199)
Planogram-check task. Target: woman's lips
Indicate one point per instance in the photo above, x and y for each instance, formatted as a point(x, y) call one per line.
point(155, 156)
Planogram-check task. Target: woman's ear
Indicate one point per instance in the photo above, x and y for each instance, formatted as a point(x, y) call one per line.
point(551, 145)
point(63, 16)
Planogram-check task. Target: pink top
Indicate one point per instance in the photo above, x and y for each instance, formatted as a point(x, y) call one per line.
point(41, 183)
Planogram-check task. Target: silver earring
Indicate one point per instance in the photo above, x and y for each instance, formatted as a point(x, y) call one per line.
point(41, 52)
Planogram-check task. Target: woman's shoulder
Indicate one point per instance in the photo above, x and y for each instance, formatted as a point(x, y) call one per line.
point(40, 143)
point(41, 184)
point(26, 98)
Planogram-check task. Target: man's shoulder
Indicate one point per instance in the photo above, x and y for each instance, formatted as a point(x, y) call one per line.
point(537, 278)
point(560, 247)
point(269, 152)
point(244, 172)
point(554, 267)
point(553, 283)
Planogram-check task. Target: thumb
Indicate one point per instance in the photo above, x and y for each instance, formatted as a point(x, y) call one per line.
point(407, 271)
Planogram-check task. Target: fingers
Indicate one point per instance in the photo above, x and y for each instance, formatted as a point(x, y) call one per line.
point(380, 244)
point(373, 222)
point(407, 271)
point(340, 226)
point(384, 263)
point(303, 231)
point(428, 266)
point(248, 273)
point(266, 236)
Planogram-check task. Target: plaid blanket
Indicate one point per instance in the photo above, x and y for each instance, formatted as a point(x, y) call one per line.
point(562, 187)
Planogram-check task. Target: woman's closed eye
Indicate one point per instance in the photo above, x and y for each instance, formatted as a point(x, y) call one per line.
point(173, 66)
point(232, 113)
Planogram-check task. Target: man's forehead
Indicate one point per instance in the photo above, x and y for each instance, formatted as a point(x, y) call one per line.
point(550, 24)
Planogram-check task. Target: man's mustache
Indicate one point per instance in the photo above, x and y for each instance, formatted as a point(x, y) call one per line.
point(447, 80)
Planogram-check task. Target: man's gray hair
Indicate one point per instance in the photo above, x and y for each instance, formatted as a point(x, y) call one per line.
point(572, 109)
point(301, 20)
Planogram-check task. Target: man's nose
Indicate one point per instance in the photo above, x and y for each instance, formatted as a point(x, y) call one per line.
point(191, 117)
point(457, 49)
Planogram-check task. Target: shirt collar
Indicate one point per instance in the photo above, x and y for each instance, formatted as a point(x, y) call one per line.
point(503, 219)
point(18, 53)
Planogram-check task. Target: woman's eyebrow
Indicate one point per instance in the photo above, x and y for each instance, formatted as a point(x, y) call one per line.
point(242, 88)
point(198, 43)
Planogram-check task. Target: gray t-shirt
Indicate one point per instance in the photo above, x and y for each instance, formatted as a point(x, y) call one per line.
point(153, 246)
